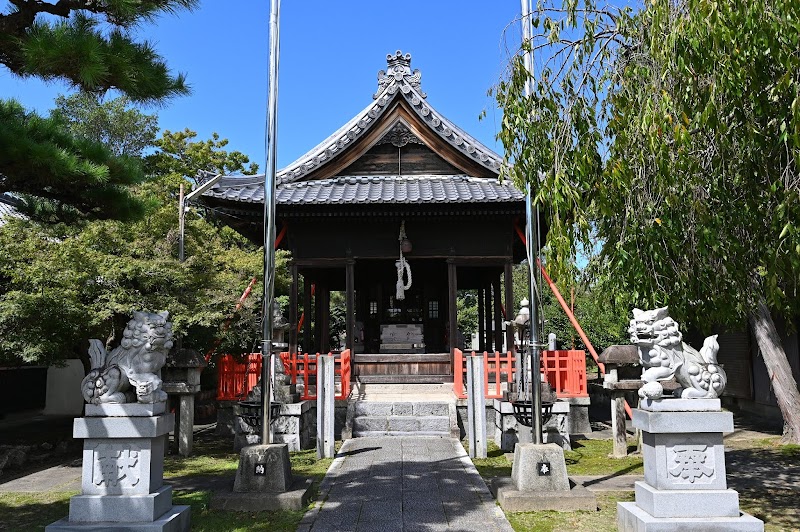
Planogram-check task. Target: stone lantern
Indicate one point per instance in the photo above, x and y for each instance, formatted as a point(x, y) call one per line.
point(181, 381)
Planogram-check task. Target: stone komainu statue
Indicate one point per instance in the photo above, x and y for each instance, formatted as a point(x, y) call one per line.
point(130, 372)
point(663, 355)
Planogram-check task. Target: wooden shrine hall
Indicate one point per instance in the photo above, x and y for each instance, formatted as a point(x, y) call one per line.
point(397, 211)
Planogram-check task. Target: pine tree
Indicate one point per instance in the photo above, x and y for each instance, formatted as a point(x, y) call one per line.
point(86, 44)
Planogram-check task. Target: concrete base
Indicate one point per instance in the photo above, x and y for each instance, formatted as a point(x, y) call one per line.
point(686, 503)
point(119, 508)
point(295, 498)
point(512, 500)
point(631, 518)
point(175, 520)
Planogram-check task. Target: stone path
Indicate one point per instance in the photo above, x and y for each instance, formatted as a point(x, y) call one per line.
point(403, 484)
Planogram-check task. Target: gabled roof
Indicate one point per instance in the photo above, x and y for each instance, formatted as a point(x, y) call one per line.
point(398, 82)
point(344, 169)
point(355, 190)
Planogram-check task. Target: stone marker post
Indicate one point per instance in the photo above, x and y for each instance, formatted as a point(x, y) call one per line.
point(476, 407)
point(325, 406)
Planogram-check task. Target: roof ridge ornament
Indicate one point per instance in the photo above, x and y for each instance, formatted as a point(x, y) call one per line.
point(399, 72)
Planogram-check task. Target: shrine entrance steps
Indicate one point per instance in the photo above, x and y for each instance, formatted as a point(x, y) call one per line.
point(379, 410)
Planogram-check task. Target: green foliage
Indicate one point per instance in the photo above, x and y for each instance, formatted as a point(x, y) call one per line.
point(179, 154)
point(670, 135)
point(87, 44)
point(467, 313)
point(123, 129)
point(61, 285)
point(59, 176)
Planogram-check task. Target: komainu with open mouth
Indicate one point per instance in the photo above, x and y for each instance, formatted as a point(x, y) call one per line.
point(663, 355)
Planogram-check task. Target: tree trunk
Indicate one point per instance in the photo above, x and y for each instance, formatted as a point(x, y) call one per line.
point(780, 372)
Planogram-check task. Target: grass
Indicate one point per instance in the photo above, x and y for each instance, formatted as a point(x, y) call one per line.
point(603, 520)
point(587, 457)
point(212, 457)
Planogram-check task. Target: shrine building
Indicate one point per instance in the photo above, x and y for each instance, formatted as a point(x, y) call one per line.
point(399, 183)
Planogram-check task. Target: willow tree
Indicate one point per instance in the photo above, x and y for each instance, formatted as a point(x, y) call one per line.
point(666, 140)
point(88, 45)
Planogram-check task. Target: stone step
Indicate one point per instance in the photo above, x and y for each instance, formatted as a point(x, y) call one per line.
point(397, 408)
point(397, 434)
point(401, 424)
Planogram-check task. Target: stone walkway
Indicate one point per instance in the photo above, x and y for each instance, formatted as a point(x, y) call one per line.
point(403, 484)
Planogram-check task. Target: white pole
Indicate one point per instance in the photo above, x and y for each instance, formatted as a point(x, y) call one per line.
point(532, 241)
point(269, 220)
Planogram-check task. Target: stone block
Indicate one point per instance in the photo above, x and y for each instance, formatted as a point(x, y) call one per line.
point(263, 469)
point(123, 427)
point(682, 422)
point(672, 404)
point(434, 424)
point(286, 424)
point(684, 461)
point(177, 519)
point(120, 508)
point(402, 409)
point(539, 468)
point(513, 500)
point(362, 424)
point(296, 497)
point(686, 503)
point(122, 466)
point(126, 409)
point(404, 424)
point(631, 518)
point(430, 409)
point(370, 408)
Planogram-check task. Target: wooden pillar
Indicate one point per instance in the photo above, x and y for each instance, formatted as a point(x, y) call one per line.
point(481, 323)
point(509, 296)
point(318, 289)
point(498, 314)
point(452, 306)
point(293, 309)
point(325, 321)
point(350, 287)
point(487, 314)
point(307, 347)
point(620, 449)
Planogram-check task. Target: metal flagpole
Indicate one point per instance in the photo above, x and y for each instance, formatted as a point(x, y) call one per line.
point(269, 220)
point(532, 240)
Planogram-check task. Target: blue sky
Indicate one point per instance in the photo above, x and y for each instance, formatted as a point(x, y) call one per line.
point(330, 55)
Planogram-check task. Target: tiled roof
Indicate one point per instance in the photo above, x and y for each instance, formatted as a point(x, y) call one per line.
point(399, 83)
point(7, 209)
point(355, 190)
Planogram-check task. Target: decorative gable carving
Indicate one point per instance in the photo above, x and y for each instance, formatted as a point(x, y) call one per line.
point(399, 135)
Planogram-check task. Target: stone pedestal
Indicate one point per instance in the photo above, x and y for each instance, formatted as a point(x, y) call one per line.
point(122, 484)
point(295, 426)
point(685, 485)
point(539, 482)
point(507, 432)
point(264, 482)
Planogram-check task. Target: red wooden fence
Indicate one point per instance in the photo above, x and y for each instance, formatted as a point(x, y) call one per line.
point(236, 378)
point(564, 370)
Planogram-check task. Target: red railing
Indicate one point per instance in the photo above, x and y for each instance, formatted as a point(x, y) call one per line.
point(497, 369)
point(236, 379)
point(564, 370)
point(302, 368)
